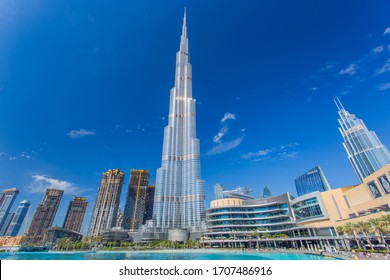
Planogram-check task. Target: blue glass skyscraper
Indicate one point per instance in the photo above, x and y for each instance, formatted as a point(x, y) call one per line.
point(6, 224)
point(7, 199)
point(265, 192)
point(312, 181)
point(365, 152)
point(179, 201)
point(18, 219)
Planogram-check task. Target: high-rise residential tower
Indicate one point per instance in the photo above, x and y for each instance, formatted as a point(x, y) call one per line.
point(7, 199)
point(43, 216)
point(75, 215)
point(179, 201)
point(365, 151)
point(107, 203)
point(133, 216)
point(19, 217)
point(312, 181)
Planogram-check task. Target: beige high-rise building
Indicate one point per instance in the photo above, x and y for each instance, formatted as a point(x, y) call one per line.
point(107, 203)
point(370, 199)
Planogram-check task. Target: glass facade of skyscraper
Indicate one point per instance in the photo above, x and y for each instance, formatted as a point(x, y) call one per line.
point(313, 180)
point(8, 197)
point(179, 201)
point(365, 151)
point(18, 219)
point(6, 224)
point(265, 192)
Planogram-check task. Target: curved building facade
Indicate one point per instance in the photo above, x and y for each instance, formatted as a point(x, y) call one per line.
point(245, 217)
point(268, 222)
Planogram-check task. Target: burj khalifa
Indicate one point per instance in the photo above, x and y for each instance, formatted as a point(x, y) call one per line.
point(179, 201)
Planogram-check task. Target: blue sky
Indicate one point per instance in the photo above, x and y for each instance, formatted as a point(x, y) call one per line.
point(84, 87)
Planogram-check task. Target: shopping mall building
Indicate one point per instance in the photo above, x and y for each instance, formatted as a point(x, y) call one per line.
point(308, 221)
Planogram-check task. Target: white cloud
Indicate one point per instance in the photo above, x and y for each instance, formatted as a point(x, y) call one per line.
point(12, 158)
point(218, 138)
point(42, 182)
point(288, 155)
point(385, 68)
point(350, 70)
point(25, 155)
point(289, 145)
point(2, 154)
point(286, 151)
point(80, 133)
point(260, 153)
point(384, 86)
point(224, 147)
point(328, 67)
point(387, 31)
point(228, 116)
point(378, 49)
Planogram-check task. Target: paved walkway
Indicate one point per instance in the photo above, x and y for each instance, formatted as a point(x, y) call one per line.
point(349, 255)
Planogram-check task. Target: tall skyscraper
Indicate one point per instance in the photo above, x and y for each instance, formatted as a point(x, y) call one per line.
point(312, 181)
point(149, 203)
point(107, 203)
point(133, 216)
point(6, 224)
point(265, 192)
point(7, 199)
point(365, 152)
point(75, 215)
point(119, 218)
point(179, 201)
point(43, 216)
point(19, 217)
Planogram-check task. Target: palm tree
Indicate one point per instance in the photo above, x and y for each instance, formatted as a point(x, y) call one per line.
point(256, 235)
point(190, 244)
point(266, 236)
point(386, 220)
point(60, 243)
point(379, 228)
point(341, 230)
point(351, 228)
point(365, 228)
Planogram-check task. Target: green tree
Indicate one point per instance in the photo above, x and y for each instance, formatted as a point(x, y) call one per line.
point(350, 228)
point(386, 220)
point(256, 235)
point(365, 228)
point(341, 230)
